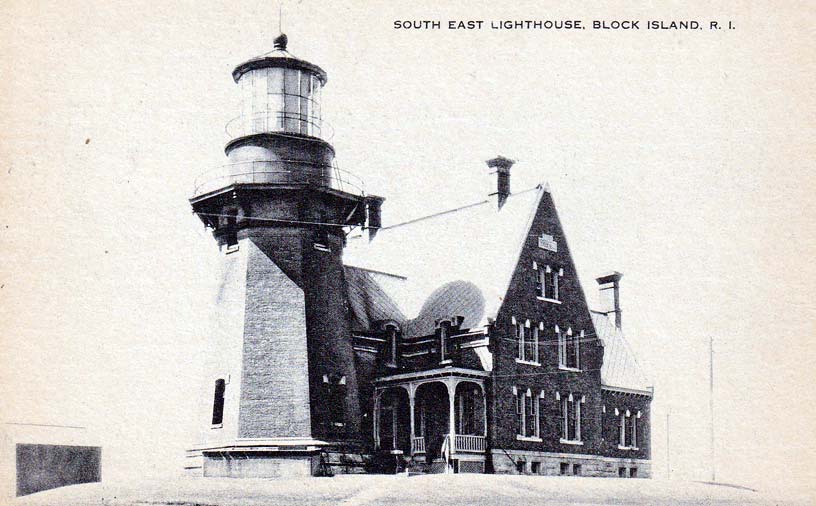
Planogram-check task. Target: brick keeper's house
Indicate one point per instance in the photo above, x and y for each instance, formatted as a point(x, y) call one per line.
point(461, 341)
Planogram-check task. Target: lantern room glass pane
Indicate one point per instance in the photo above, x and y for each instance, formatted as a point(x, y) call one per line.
point(291, 84)
point(275, 80)
point(291, 109)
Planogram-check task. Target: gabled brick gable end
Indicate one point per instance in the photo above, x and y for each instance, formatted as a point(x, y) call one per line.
point(548, 382)
point(522, 303)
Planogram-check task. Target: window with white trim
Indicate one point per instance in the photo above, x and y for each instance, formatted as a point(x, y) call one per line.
point(628, 430)
point(548, 282)
point(519, 411)
point(519, 329)
point(530, 415)
point(527, 414)
point(569, 348)
point(571, 418)
point(527, 339)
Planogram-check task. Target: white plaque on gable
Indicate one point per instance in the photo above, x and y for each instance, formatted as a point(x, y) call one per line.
point(547, 242)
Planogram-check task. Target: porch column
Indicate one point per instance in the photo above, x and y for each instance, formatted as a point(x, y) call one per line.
point(412, 402)
point(451, 384)
point(484, 406)
point(376, 424)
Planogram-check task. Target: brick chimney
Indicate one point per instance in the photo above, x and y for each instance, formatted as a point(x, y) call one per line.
point(609, 288)
point(502, 166)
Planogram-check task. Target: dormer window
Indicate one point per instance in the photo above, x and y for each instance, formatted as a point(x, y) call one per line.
point(445, 347)
point(391, 345)
point(548, 283)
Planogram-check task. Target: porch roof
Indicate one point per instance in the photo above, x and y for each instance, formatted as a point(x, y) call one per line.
point(441, 372)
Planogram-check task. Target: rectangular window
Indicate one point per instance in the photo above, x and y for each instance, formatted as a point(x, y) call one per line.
point(573, 345)
point(530, 416)
point(547, 283)
point(520, 465)
point(570, 419)
point(564, 468)
point(336, 399)
point(628, 430)
point(622, 472)
point(562, 348)
point(535, 467)
point(633, 472)
point(218, 402)
point(520, 412)
point(576, 469)
point(520, 339)
point(569, 350)
point(531, 347)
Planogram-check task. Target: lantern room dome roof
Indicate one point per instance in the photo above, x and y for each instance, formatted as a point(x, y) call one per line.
point(279, 58)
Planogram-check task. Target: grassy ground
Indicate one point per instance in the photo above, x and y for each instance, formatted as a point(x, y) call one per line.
point(463, 489)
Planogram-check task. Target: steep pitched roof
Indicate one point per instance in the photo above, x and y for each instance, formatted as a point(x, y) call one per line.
point(369, 297)
point(620, 368)
point(457, 263)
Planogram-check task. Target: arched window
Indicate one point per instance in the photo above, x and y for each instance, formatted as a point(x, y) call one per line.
point(218, 402)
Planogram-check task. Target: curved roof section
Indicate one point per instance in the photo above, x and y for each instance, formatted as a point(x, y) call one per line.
point(457, 262)
point(279, 58)
point(620, 368)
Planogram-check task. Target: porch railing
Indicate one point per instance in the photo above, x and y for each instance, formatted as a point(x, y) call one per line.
point(417, 445)
point(467, 443)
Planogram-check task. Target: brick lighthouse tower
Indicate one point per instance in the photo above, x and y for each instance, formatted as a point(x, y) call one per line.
point(280, 379)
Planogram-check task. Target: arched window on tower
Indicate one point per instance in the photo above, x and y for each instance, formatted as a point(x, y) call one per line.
point(218, 402)
point(335, 399)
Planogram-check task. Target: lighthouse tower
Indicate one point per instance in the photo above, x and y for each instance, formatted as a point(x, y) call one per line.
point(280, 380)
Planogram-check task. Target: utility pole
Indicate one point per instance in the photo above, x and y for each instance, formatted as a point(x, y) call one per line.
point(668, 446)
point(711, 405)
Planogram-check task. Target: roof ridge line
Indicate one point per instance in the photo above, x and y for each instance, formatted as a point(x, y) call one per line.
point(376, 271)
point(448, 211)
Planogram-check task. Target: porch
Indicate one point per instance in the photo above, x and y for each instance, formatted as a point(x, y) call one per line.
point(436, 417)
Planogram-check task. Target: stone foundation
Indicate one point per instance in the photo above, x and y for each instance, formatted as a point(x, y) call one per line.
point(267, 463)
point(247, 465)
point(555, 464)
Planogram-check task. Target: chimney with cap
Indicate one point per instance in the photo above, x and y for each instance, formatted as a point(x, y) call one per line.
point(609, 287)
point(502, 166)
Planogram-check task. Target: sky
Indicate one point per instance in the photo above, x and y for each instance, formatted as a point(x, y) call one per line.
point(682, 159)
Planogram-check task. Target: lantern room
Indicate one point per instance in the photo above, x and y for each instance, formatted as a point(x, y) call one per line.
point(279, 94)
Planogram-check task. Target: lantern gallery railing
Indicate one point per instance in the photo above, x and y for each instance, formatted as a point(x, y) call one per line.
point(278, 172)
point(276, 121)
